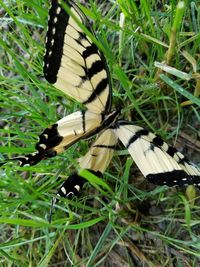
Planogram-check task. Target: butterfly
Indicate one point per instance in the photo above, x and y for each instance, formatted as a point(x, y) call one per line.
point(74, 64)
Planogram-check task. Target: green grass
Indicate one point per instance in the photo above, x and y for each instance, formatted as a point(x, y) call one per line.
point(137, 223)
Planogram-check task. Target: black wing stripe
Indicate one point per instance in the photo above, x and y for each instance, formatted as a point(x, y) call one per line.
point(136, 136)
point(158, 141)
point(89, 51)
point(83, 121)
point(171, 151)
point(98, 90)
point(97, 66)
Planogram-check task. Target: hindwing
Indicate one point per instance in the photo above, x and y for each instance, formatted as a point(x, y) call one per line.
point(101, 152)
point(96, 160)
point(158, 162)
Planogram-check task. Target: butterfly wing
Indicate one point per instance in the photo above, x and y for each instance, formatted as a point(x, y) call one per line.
point(101, 152)
point(62, 135)
point(158, 162)
point(72, 62)
point(96, 160)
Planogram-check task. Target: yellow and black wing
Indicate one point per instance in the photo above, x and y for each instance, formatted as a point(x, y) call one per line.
point(160, 163)
point(72, 62)
point(101, 152)
point(61, 135)
point(96, 160)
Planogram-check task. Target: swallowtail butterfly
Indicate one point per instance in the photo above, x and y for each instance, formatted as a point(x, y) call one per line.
point(75, 65)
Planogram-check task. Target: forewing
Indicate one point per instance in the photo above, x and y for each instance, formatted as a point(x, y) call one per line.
point(159, 162)
point(61, 135)
point(73, 63)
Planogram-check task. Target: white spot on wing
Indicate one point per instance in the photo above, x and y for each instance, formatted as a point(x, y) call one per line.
point(176, 157)
point(47, 38)
point(77, 187)
point(53, 30)
point(179, 155)
point(43, 146)
point(165, 146)
point(55, 19)
point(63, 190)
point(33, 154)
point(52, 42)
point(58, 10)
